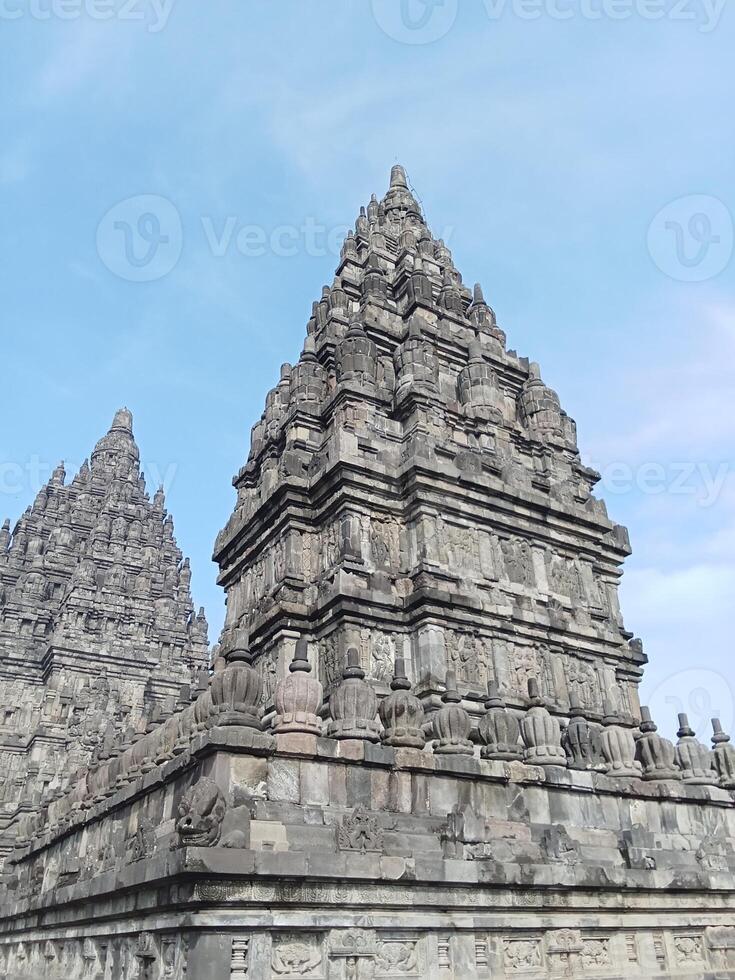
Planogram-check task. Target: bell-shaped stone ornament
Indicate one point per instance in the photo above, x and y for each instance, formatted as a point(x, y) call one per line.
point(541, 732)
point(618, 747)
point(354, 704)
point(724, 756)
point(452, 723)
point(299, 696)
point(655, 753)
point(186, 728)
point(499, 729)
point(203, 710)
point(580, 741)
point(356, 357)
point(236, 692)
point(402, 713)
point(694, 759)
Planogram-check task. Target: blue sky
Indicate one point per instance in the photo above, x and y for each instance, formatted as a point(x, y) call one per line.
point(577, 154)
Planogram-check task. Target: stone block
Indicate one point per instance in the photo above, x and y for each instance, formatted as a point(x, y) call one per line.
point(268, 835)
point(296, 743)
point(399, 792)
point(314, 783)
point(338, 785)
point(351, 749)
point(249, 776)
point(284, 780)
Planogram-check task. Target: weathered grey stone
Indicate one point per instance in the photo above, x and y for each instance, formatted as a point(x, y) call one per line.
point(541, 732)
point(499, 730)
point(414, 496)
point(100, 631)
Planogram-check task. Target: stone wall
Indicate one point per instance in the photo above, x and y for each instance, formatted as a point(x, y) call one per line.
point(223, 851)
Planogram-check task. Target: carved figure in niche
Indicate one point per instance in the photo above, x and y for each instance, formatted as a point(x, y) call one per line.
point(468, 658)
point(379, 547)
point(524, 666)
point(279, 561)
point(143, 843)
point(518, 560)
point(268, 672)
point(582, 683)
point(444, 542)
point(382, 657)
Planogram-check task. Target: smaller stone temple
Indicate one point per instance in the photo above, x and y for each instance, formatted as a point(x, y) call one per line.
point(420, 754)
point(99, 638)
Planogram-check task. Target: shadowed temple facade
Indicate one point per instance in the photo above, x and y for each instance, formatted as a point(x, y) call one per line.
point(98, 634)
point(420, 751)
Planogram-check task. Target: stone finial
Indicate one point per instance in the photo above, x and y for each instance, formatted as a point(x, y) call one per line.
point(399, 203)
point(499, 729)
point(349, 248)
point(452, 723)
point(398, 176)
point(580, 741)
point(420, 291)
point(450, 296)
point(541, 411)
point(541, 732)
point(308, 379)
point(724, 755)
point(618, 747)
point(375, 282)
point(655, 753)
point(58, 477)
point(237, 690)
point(477, 383)
point(353, 704)
point(694, 759)
point(362, 226)
point(122, 421)
point(402, 713)
point(356, 356)
point(416, 367)
point(299, 696)
point(373, 209)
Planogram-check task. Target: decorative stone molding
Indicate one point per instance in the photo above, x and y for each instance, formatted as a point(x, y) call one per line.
point(402, 713)
point(452, 723)
point(655, 753)
point(580, 741)
point(618, 747)
point(499, 729)
point(541, 732)
point(299, 696)
point(724, 756)
point(236, 691)
point(694, 759)
point(353, 705)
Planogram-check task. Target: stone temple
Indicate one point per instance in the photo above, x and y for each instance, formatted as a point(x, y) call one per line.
point(419, 752)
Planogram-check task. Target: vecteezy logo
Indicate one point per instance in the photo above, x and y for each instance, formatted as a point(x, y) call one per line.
point(415, 21)
point(691, 239)
point(140, 239)
point(700, 693)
